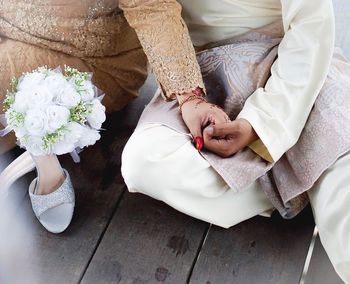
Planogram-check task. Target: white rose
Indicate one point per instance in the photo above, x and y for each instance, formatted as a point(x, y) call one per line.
point(54, 81)
point(62, 148)
point(20, 104)
point(34, 145)
point(29, 81)
point(40, 96)
point(73, 133)
point(57, 116)
point(87, 91)
point(20, 132)
point(89, 137)
point(98, 114)
point(66, 95)
point(35, 122)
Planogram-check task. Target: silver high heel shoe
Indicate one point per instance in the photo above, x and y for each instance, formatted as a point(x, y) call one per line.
point(51, 193)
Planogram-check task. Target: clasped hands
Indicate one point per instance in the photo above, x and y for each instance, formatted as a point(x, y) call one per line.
point(221, 135)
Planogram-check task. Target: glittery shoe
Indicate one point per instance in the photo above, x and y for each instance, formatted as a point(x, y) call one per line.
point(54, 210)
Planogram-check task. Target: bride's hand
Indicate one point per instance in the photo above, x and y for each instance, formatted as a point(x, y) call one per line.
point(197, 114)
point(228, 138)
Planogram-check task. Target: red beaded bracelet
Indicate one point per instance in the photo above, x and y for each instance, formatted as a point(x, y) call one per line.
point(197, 94)
point(191, 98)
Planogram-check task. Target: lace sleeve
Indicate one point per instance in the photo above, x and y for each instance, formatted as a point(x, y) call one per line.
point(166, 42)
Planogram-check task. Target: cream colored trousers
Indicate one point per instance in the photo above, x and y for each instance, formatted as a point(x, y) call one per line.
point(162, 163)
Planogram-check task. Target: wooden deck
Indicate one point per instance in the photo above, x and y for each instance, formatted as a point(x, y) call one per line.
point(119, 237)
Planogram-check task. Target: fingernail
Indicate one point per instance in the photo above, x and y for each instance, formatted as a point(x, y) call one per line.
point(198, 143)
point(210, 130)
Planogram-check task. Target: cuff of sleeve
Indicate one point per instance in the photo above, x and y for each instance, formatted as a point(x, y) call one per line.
point(175, 95)
point(259, 148)
point(170, 94)
point(271, 133)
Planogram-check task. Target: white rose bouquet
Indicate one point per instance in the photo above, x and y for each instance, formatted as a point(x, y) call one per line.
point(54, 112)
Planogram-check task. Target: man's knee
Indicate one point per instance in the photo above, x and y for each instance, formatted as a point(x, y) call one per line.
point(149, 155)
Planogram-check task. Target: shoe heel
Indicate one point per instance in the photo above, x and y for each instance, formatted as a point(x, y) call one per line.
point(18, 168)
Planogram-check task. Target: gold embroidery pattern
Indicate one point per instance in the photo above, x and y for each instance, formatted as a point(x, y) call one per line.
point(167, 44)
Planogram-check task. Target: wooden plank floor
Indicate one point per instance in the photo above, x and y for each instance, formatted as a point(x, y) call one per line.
point(260, 250)
point(165, 240)
point(119, 237)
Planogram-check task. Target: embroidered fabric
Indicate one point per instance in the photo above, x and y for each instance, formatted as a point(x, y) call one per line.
point(325, 137)
point(167, 45)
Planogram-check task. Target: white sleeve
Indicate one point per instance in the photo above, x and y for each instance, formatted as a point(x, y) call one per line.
point(278, 112)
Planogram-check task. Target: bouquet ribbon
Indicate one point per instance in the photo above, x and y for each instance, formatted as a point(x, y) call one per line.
point(7, 129)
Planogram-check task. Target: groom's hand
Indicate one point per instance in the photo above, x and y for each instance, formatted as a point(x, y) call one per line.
point(226, 139)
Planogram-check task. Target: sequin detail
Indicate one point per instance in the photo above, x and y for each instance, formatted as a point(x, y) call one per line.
point(80, 28)
point(64, 194)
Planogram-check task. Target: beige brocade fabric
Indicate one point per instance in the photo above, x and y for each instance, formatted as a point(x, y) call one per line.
point(166, 42)
point(89, 35)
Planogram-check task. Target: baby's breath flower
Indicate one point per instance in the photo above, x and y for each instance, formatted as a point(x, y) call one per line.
point(43, 70)
point(9, 100)
point(14, 118)
point(80, 112)
point(50, 139)
point(78, 77)
point(14, 83)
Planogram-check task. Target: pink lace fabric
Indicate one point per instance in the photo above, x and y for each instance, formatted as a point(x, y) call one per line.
point(235, 69)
